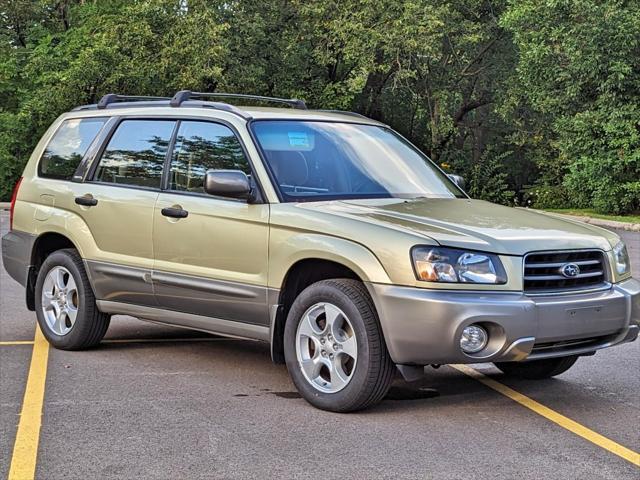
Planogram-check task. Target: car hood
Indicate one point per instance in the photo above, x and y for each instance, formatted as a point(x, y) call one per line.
point(474, 224)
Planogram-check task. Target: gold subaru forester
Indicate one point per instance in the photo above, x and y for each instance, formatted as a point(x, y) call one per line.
point(324, 233)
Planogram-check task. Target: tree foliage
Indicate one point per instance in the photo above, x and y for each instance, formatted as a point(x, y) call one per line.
point(579, 70)
point(529, 100)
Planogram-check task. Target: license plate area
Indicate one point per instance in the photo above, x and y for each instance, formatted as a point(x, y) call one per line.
point(585, 314)
point(559, 320)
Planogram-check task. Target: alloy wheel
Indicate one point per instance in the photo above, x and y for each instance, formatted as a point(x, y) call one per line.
point(326, 347)
point(60, 300)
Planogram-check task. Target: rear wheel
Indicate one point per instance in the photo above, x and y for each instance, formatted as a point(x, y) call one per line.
point(537, 369)
point(65, 306)
point(334, 347)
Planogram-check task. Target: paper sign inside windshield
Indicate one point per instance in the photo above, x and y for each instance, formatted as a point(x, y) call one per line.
point(298, 139)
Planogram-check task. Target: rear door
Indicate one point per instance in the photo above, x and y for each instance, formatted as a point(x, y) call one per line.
point(213, 262)
point(117, 204)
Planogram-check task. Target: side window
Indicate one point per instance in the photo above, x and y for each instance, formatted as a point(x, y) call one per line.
point(202, 146)
point(136, 153)
point(67, 147)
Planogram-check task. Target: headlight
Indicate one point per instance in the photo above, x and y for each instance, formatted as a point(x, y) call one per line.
point(623, 265)
point(437, 264)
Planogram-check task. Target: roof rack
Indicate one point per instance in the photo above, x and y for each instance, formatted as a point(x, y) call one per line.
point(137, 100)
point(184, 95)
point(110, 98)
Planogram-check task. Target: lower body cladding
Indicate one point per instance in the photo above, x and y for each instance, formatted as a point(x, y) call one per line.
point(193, 295)
point(201, 323)
point(424, 327)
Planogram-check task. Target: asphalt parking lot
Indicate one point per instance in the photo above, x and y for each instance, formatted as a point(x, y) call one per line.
point(155, 402)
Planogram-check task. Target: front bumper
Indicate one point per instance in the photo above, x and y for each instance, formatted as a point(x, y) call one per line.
point(423, 326)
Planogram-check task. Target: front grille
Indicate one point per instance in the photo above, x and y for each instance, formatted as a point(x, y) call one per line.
point(543, 271)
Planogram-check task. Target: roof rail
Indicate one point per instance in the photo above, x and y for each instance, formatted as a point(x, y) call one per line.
point(184, 95)
point(123, 101)
point(344, 112)
point(226, 108)
point(110, 98)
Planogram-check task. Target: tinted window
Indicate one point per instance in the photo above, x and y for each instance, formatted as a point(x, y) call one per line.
point(67, 147)
point(202, 146)
point(136, 152)
point(331, 160)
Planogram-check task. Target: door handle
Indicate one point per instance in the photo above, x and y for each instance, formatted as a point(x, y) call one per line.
point(86, 200)
point(174, 212)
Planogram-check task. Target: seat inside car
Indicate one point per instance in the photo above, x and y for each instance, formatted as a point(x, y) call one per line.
point(289, 167)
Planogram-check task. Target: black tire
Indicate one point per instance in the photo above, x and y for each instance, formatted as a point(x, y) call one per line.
point(373, 371)
point(90, 324)
point(537, 369)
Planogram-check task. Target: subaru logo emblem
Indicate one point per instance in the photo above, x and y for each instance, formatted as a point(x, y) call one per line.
point(570, 270)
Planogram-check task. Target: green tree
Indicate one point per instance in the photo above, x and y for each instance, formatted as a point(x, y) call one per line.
point(531, 100)
point(53, 59)
point(579, 70)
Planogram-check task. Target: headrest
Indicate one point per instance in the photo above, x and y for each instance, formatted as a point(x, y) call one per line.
point(289, 167)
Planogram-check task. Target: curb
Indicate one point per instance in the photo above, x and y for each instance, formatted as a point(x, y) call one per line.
point(598, 222)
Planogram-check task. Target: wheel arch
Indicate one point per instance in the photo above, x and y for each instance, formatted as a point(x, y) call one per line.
point(296, 261)
point(44, 245)
point(299, 276)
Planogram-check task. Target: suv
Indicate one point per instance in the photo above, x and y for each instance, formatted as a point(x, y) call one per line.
point(324, 233)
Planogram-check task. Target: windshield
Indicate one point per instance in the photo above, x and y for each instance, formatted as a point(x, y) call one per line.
point(313, 160)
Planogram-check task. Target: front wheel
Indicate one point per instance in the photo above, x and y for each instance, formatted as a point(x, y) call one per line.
point(537, 369)
point(334, 347)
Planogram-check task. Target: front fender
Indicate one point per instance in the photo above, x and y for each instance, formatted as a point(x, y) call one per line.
point(285, 250)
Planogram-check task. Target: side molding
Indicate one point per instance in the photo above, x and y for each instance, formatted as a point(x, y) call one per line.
point(120, 283)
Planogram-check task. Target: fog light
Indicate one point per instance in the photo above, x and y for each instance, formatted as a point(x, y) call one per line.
point(474, 338)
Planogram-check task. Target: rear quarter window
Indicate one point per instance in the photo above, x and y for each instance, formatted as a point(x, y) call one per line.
point(68, 146)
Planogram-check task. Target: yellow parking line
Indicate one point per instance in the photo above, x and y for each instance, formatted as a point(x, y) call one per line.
point(16, 342)
point(25, 449)
point(555, 417)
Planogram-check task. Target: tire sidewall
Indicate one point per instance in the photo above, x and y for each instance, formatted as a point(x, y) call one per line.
point(85, 295)
point(340, 400)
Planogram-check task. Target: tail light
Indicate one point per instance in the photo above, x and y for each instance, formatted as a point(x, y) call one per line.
point(14, 196)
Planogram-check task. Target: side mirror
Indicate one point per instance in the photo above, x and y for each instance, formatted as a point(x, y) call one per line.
point(227, 183)
point(458, 180)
